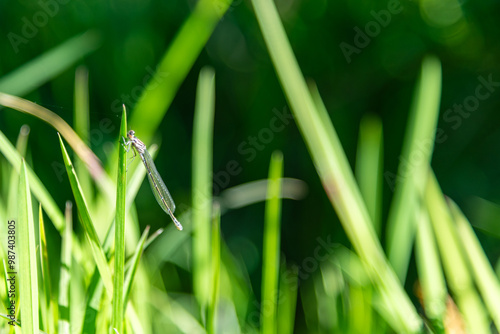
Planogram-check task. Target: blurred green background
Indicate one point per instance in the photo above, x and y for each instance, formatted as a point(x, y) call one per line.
point(378, 78)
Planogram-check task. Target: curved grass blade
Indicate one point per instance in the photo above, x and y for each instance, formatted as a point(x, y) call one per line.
point(87, 223)
point(27, 269)
point(81, 149)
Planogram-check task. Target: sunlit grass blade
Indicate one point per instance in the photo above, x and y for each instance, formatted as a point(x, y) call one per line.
point(369, 167)
point(455, 267)
point(27, 269)
point(175, 65)
point(82, 125)
point(271, 247)
point(36, 185)
point(212, 322)
point(65, 275)
point(80, 148)
point(202, 184)
point(49, 64)
point(484, 275)
point(119, 274)
point(415, 157)
point(430, 272)
point(21, 147)
point(332, 166)
point(87, 223)
point(134, 263)
point(50, 316)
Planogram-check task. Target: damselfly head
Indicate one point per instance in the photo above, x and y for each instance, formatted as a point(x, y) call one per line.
point(131, 134)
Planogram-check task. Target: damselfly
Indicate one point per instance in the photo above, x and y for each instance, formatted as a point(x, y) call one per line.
point(158, 187)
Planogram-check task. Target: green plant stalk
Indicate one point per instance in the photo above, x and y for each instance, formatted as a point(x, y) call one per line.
point(457, 272)
point(88, 225)
point(50, 303)
point(413, 168)
point(215, 261)
point(484, 275)
point(27, 269)
point(430, 272)
point(271, 247)
point(202, 185)
point(133, 264)
point(332, 166)
point(39, 190)
point(369, 165)
point(175, 65)
point(48, 65)
point(81, 125)
point(121, 186)
point(65, 276)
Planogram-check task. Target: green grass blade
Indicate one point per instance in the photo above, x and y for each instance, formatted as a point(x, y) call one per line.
point(457, 272)
point(175, 65)
point(82, 125)
point(121, 182)
point(48, 65)
point(88, 225)
point(369, 167)
point(202, 184)
point(271, 247)
point(27, 270)
point(412, 171)
point(332, 166)
point(65, 276)
point(212, 324)
point(484, 275)
point(430, 272)
point(50, 306)
point(134, 263)
point(39, 190)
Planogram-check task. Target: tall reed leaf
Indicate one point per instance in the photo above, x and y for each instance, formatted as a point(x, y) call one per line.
point(121, 186)
point(27, 268)
point(202, 184)
point(271, 251)
point(412, 171)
